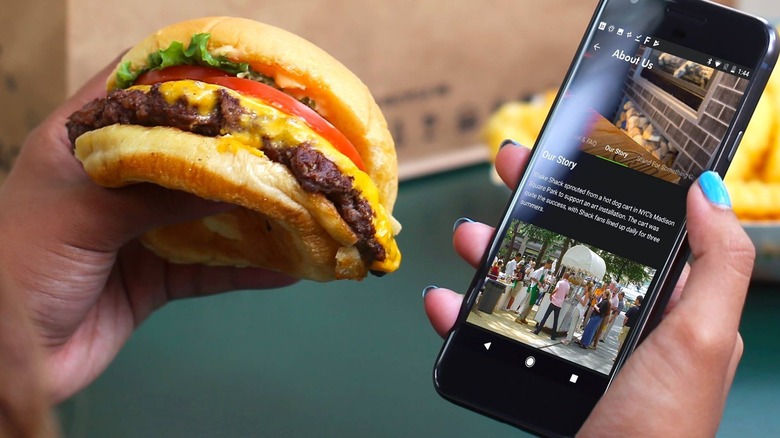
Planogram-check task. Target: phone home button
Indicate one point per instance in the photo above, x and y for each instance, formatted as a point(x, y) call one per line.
point(530, 361)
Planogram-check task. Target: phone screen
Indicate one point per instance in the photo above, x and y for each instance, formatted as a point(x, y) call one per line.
point(598, 219)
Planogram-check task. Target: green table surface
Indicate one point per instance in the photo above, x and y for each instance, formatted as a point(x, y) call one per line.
point(347, 359)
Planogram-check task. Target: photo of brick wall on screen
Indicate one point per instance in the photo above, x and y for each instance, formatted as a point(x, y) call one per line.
point(672, 117)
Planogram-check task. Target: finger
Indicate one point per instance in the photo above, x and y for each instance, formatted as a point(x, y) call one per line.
point(213, 280)
point(470, 240)
point(511, 161)
point(76, 211)
point(723, 258)
point(694, 352)
point(163, 282)
point(47, 152)
point(119, 215)
point(442, 307)
point(95, 87)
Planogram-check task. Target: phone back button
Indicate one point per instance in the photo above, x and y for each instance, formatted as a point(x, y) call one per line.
point(530, 361)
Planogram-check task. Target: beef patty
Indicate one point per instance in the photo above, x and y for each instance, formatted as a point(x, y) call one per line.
point(313, 171)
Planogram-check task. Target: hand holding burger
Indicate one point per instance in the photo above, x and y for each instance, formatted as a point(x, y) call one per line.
point(71, 251)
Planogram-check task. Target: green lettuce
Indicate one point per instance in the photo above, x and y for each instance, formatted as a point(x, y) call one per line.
point(196, 53)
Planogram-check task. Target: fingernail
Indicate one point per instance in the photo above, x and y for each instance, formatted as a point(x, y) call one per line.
point(507, 142)
point(428, 289)
point(461, 221)
point(713, 188)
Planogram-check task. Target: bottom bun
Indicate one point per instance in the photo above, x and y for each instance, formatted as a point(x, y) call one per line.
point(278, 225)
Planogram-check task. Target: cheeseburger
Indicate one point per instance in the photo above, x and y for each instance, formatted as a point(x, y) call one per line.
point(241, 112)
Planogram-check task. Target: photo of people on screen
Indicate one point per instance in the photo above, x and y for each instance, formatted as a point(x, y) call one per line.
point(671, 118)
point(569, 298)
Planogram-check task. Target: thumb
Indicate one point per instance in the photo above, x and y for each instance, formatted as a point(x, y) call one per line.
point(110, 217)
point(690, 358)
point(107, 217)
point(723, 256)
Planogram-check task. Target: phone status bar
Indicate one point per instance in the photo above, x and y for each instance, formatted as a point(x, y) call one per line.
point(677, 50)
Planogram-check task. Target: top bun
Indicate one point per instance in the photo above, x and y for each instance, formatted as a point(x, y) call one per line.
point(340, 96)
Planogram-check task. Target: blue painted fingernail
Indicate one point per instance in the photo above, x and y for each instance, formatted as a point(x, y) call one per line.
point(508, 142)
point(460, 222)
point(428, 289)
point(713, 188)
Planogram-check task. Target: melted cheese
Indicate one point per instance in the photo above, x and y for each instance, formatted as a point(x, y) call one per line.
point(196, 93)
point(263, 120)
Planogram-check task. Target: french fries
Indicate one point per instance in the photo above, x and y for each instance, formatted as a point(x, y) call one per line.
point(753, 180)
point(519, 121)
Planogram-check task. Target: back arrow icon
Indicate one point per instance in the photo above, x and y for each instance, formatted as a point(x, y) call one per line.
point(596, 46)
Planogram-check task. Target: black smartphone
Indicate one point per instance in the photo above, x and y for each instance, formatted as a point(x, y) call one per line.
point(659, 91)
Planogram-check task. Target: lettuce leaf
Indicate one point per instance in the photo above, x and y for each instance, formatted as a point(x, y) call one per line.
point(196, 53)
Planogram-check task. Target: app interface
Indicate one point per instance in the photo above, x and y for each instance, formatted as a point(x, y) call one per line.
point(604, 197)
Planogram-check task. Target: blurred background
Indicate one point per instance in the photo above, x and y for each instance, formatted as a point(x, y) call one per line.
point(354, 359)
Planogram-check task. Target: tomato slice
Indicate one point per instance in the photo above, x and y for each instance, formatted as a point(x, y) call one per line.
point(179, 73)
point(270, 95)
point(291, 105)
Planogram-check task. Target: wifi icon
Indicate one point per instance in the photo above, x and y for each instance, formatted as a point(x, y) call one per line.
point(717, 63)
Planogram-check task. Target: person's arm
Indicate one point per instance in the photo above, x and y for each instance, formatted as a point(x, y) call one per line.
point(689, 393)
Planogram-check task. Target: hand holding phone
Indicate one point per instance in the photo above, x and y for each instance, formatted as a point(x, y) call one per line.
point(657, 98)
point(688, 362)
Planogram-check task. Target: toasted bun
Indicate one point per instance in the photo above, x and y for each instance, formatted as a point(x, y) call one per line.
point(295, 63)
point(298, 232)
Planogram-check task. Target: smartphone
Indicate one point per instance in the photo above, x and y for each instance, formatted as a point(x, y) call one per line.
point(658, 92)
